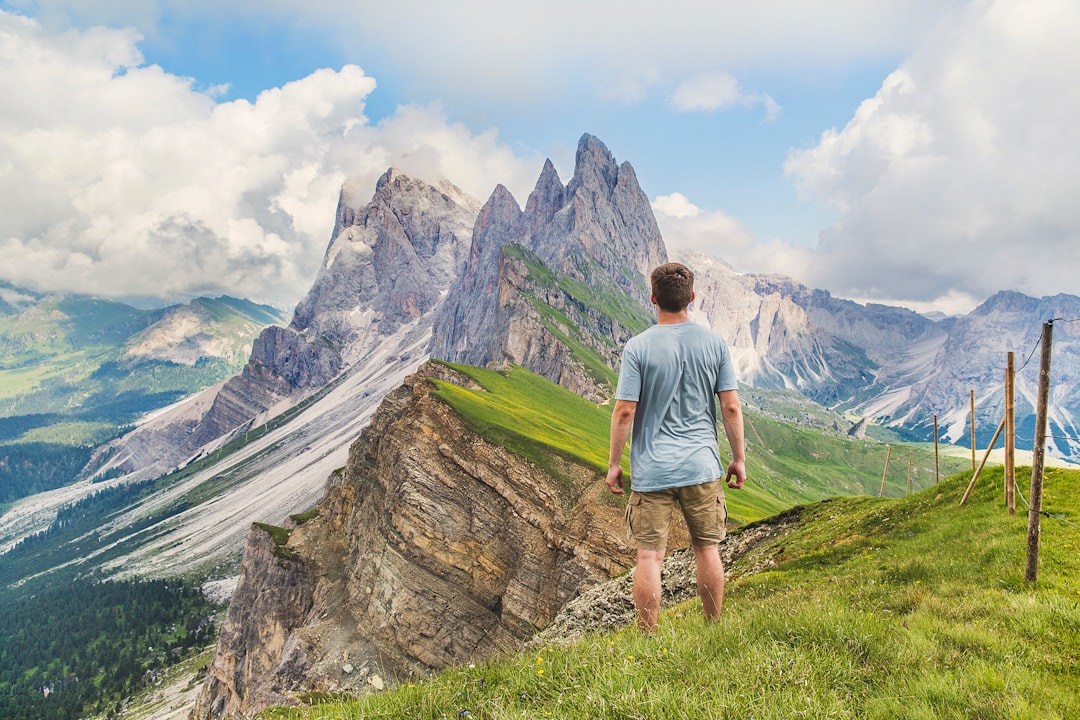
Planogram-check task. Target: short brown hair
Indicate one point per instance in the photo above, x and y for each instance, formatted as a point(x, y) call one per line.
point(672, 286)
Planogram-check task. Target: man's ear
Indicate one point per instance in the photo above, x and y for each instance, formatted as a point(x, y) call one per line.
point(652, 299)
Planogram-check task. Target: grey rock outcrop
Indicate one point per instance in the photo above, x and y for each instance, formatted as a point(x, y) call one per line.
point(568, 271)
point(434, 547)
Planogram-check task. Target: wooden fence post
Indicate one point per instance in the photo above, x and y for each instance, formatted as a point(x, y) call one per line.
point(1038, 455)
point(975, 475)
point(888, 455)
point(1010, 434)
point(973, 430)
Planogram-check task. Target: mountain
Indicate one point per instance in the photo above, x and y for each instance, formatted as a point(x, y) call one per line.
point(76, 371)
point(559, 287)
point(472, 507)
point(435, 545)
point(891, 364)
point(386, 266)
point(261, 445)
point(422, 271)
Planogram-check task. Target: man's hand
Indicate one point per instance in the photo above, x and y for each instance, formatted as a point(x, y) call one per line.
point(615, 480)
point(736, 469)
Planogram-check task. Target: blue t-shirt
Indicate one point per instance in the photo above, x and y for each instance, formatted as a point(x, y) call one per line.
point(673, 373)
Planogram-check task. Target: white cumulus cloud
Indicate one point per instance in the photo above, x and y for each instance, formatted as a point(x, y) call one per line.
point(719, 91)
point(120, 179)
point(685, 226)
point(958, 177)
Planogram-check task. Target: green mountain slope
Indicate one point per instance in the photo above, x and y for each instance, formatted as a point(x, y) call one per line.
point(518, 409)
point(788, 464)
point(76, 371)
point(870, 608)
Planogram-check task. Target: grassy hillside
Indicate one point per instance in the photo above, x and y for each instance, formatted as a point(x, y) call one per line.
point(875, 608)
point(77, 371)
point(788, 464)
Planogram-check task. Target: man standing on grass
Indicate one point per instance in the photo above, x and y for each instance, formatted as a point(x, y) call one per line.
point(667, 380)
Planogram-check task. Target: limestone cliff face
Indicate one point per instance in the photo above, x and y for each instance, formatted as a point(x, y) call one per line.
point(273, 595)
point(559, 330)
point(433, 547)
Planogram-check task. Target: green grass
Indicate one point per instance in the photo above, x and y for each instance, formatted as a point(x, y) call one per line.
point(787, 464)
point(875, 608)
point(534, 418)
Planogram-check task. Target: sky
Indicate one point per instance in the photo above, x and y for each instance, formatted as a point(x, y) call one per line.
point(913, 153)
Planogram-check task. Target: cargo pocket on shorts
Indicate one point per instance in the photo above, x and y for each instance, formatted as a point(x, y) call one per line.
point(632, 505)
point(721, 514)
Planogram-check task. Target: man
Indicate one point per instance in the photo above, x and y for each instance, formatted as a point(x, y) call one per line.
point(667, 382)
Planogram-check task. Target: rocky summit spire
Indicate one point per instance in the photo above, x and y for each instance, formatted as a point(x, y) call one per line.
point(546, 199)
point(583, 250)
point(606, 225)
point(390, 262)
point(468, 328)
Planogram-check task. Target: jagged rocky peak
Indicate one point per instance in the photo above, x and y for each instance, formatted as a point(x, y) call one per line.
point(606, 224)
point(546, 199)
point(594, 166)
point(599, 230)
point(469, 325)
point(390, 262)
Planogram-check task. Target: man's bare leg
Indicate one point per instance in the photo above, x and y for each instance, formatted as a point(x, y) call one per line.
point(647, 589)
point(710, 580)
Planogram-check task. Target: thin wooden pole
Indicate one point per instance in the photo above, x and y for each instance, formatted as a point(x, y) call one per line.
point(937, 465)
point(888, 455)
point(1010, 434)
point(972, 429)
point(910, 457)
point(975, 475)
point(1038, 456)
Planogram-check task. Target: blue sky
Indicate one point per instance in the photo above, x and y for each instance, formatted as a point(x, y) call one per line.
point(911, 153)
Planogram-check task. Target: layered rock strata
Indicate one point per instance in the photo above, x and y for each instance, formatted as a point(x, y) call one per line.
point(433, 547)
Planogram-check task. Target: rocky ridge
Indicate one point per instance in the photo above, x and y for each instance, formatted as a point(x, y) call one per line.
point(890, 364)
point(433, 547)
point(568, 271)
point(386, 267)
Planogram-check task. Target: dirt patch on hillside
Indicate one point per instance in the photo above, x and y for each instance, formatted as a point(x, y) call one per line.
point(610, 606)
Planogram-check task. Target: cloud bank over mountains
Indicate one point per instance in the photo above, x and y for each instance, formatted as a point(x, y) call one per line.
point(959, 174)
point(951, 181)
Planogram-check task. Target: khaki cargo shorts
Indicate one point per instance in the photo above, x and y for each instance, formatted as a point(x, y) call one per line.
point(648, 515)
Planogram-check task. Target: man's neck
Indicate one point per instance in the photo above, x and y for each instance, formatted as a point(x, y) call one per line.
point(663, 317)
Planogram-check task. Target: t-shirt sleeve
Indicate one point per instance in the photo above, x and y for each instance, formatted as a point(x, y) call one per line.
point(725, 379)
point(629, 387)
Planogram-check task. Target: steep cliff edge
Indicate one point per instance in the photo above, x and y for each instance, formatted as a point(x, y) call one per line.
point(434, 546)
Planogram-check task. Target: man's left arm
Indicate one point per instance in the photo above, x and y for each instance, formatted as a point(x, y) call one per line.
point(731, 412)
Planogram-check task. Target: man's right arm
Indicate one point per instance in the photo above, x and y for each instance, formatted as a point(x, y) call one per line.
point(622, 422)
point(731, 412)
